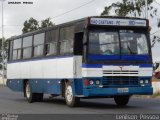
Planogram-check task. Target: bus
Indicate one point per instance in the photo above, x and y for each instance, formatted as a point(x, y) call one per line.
point(93, 57)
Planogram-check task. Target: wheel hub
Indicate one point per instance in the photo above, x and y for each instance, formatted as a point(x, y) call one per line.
point(28, 91)
point(69, 93)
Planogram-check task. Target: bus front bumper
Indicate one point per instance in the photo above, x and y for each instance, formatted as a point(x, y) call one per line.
point(104, 92)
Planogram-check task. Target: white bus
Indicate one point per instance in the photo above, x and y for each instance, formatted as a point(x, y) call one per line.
point(92, 57)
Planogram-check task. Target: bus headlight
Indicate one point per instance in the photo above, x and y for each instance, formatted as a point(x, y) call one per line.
point(146, 81)
point(91, 82)
point(97, 82)
point(141, 81)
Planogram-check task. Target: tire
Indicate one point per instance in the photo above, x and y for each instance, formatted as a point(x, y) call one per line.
point(32, 97)
point(122, 100)
point(39, 97)
point(71, 100)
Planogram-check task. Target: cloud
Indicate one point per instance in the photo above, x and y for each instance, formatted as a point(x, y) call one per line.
point(42, 9)
point(16, 14)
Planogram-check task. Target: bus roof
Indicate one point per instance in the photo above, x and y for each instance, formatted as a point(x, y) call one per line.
point(85, 20)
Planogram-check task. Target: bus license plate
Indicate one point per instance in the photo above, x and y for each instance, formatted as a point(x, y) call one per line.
point(123, 90)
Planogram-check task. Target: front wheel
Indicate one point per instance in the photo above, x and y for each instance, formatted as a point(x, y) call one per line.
point(71, 100)
point(122, 100)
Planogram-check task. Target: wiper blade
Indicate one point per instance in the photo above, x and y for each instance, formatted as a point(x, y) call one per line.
point(131, 52)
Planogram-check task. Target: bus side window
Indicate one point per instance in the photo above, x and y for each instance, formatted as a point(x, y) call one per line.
point(66, 40)
point(27, 47)
point(17, 45)
point(51, 42)
point(38, 44)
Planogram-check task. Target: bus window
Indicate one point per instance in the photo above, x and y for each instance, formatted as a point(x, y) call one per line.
point(66, 40)
point(51, 42)
point(17, 49)
point(133, 43)
point(104, 43)
point(38, 44)
point(27, 47)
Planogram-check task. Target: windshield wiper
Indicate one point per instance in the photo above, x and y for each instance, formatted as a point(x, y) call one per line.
point(131, 52)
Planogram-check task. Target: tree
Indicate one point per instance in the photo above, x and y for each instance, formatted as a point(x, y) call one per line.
point(155, 39)
point(106, 10)
point(5, 48)
point(5, 44)
point(46, 23)
point(30, 25)
point(133, 8)
point(159, 23)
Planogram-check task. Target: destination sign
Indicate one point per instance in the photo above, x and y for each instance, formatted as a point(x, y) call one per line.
point(117, 22)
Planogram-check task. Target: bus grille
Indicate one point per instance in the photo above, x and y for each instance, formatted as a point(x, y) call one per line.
point(120, 72)
point(120, 81)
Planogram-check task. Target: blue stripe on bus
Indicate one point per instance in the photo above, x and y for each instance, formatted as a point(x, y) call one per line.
point(103, 57)
point(136, 57)
point(92, 65)
point(100, 65)
point(146, 65)
point(118, 57)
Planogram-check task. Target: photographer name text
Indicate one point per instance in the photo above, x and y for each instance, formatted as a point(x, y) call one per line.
point(138, 117)
point(19, 3)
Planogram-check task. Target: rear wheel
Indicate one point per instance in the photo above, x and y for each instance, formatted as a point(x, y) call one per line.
point(71, 100)
point(39, 97)
point(122, 100)
point(32, 97)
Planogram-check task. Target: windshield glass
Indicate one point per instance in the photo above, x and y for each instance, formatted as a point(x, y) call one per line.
point(105, 43)
point(133, 43)
point(113, 43)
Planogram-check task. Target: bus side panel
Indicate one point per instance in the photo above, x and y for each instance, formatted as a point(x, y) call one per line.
point(78, 87)
point(47, 86)
point(44, 76)
point(49, 68)
point(52, 87)
point(37, 86)
point(15, 84)
point(65, 68)
point(42, 69)
point(14, 70)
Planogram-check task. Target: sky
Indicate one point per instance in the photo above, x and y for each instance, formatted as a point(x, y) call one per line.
point(16, 14)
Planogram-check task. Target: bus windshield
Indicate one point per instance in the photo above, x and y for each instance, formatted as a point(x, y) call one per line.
point(124, 42)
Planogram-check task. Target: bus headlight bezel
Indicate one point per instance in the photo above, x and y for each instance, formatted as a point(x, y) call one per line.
point(141, 81)
point(97, 82)
point(91, 82)
point(146, 81)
